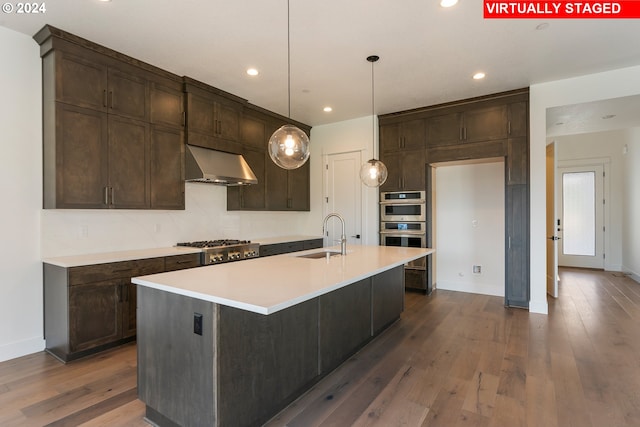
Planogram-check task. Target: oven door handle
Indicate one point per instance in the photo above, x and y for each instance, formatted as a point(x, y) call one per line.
point(403, 202)
point(404, 233)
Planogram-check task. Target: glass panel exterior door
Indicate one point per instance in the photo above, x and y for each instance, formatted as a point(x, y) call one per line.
point(579, 213)
point(582, 211)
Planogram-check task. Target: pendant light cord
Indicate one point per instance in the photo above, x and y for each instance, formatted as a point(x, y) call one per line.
point(288, 59)
point(373, 113)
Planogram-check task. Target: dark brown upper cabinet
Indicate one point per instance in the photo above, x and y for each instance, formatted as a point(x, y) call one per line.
point(478, 124)
point(213, 117)
point(277, 189)
point(406, 170)
point(106, 117)
point(404, 135)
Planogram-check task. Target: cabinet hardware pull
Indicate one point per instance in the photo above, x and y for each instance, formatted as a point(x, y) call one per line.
point(112, 197)
point(184, 118)
point(464, 133)
point(460, 134)
point(509, 127)
point(106, 196)
point(104, 98)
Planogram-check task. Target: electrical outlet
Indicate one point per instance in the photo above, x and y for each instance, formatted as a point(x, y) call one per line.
point(477, 269)
point(197, 324)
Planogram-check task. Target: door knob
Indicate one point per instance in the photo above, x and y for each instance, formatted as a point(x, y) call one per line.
point(357, 236)
point(554, 238)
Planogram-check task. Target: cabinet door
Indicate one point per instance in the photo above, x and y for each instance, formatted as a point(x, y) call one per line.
point(517, 246)
point(389, 137)
point(518, 119)
point(129, 299)
point(485, 124)
point(277, 186)
point(128, 163)
point(394, 177)
point(298, 185)
point(351, 306)
point(413, 134)
point(200, 115)
point(128, 93)
point(166, 104)
point(252, 197)
point(78, 167)
point(167, 168)
point(228, 115)
point(95, 315)
point(412, 167)
point(253, 132)
point(81, 81)
point(444, 130)
point(517, 161)
point(387, 298)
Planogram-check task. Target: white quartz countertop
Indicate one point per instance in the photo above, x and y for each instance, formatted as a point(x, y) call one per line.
point(107, 257)
point(267, 285)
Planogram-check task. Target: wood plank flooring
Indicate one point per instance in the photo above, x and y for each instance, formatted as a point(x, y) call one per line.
point(453, 360)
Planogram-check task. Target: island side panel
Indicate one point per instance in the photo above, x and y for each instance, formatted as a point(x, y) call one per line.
point(344, 322)
point(176, 367)
point(387, 298)
point(265, 362)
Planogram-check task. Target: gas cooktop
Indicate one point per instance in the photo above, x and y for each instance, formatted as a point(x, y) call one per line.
point(224, 250)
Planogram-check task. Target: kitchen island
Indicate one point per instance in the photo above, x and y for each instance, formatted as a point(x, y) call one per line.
point(233, 344)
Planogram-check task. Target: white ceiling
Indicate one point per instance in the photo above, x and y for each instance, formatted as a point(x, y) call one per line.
point(428, 54)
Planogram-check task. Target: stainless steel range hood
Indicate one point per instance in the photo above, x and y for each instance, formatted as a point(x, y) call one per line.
point(217, 167)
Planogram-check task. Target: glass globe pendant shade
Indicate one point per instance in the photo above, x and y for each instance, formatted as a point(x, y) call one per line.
point(373, 173)
point(289, 147)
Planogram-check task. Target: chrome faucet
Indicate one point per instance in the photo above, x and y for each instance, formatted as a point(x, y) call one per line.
point(343, 238)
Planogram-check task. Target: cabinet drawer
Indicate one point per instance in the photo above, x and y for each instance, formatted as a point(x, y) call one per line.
point(180, 262)
point(113, 270)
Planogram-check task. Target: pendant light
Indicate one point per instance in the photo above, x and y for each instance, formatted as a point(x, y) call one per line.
point(373, 173)
point(289, 145)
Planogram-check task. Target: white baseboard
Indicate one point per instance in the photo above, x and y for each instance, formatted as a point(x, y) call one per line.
point(473, 288)
point(21, 348)
point(628, 271)
point(613, 267)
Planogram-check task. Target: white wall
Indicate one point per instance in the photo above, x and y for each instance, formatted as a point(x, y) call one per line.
point(343, 137)
point(70, 232)
point(593, 87)
point(604, 148)
point(21, 183)
point(469, 227)
point(631, 212)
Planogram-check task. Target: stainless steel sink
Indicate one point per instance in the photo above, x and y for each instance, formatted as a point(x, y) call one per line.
point(321, 254)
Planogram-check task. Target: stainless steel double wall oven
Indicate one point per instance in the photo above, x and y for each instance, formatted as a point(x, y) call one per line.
point(403, 222)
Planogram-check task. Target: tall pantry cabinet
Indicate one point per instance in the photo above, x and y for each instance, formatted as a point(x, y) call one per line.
point(494, 126)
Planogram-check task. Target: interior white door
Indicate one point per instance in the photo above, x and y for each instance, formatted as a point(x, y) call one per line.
point(552, 223)
point(582, 212)
point(343, 196)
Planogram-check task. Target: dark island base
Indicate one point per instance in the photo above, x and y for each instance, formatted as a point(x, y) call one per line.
point(246, 367)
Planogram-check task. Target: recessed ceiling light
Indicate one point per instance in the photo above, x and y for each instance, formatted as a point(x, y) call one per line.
point(252, 72)
point(542, 26)
point(327, 109)
point(608, 116)
point(478, 76)
point(448, 3)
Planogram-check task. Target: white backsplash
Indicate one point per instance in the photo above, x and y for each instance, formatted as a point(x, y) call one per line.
point(73, 231)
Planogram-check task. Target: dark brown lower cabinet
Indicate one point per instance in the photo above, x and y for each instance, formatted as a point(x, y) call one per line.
point(95, 314)
point(345, 306)
point(91, 308)
point(243, 367)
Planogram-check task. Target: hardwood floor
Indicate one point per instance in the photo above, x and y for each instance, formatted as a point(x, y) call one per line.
point(454, 359)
